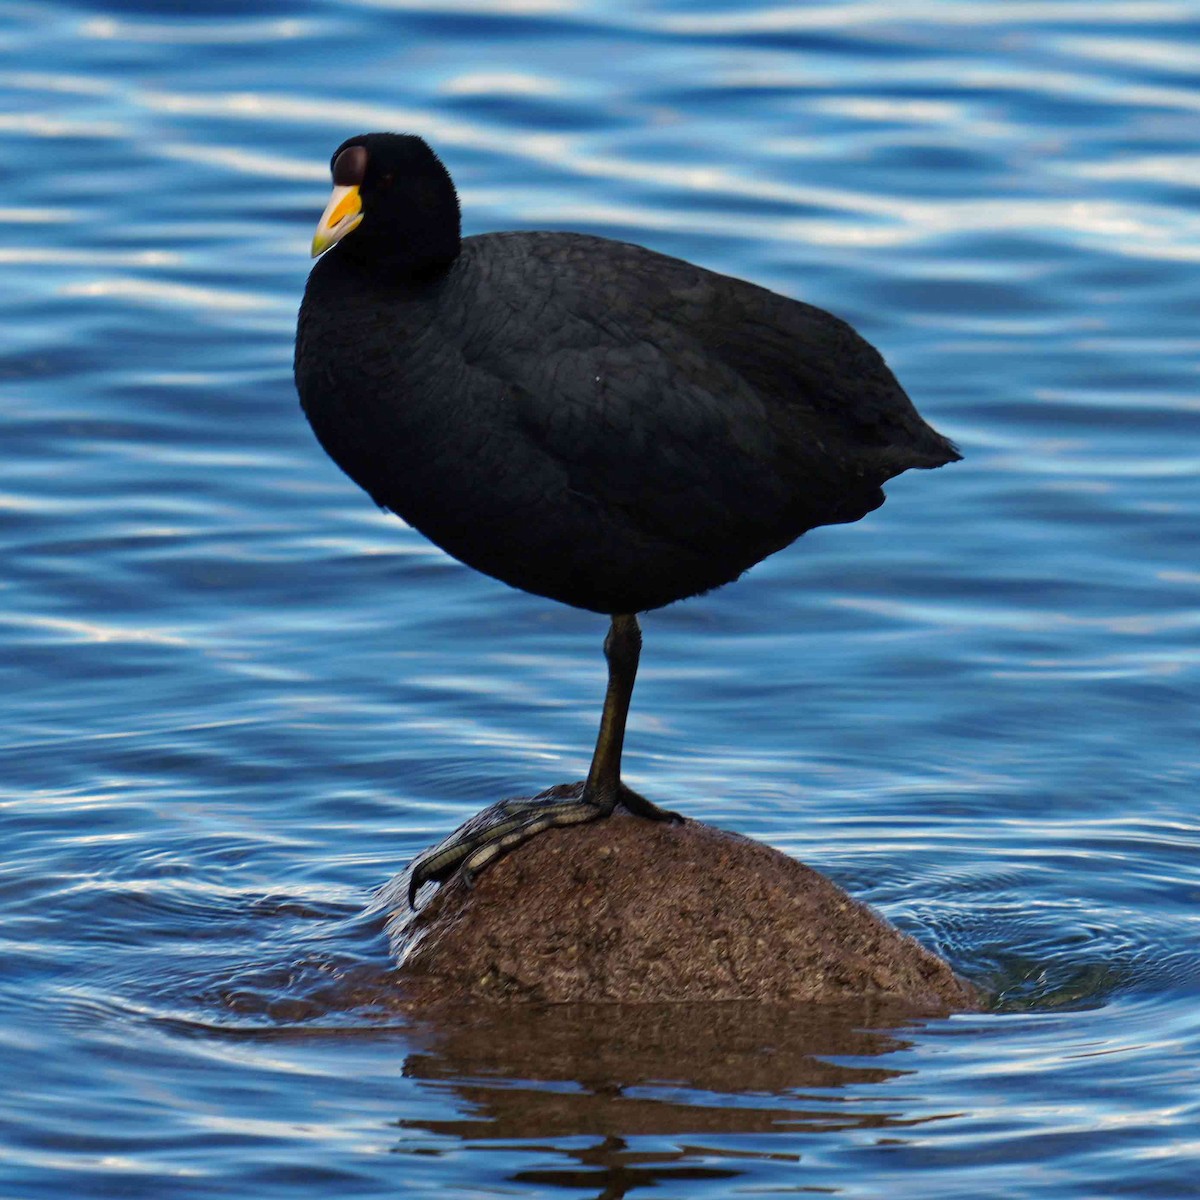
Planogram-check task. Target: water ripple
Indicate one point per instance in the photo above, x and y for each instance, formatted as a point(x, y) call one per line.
point(237, 699)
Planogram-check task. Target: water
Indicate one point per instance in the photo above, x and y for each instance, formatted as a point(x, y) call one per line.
point(237, 699)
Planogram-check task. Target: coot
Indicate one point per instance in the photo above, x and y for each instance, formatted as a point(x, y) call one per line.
point(582, 418)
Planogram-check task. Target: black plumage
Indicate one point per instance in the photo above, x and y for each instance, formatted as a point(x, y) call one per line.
point(581, 418)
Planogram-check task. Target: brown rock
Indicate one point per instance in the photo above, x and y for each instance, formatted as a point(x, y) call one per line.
point(636, 912)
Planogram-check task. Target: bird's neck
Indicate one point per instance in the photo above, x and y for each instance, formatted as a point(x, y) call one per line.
point(418, 258)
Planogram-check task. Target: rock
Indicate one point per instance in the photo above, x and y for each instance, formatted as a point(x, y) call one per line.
point(636, 912)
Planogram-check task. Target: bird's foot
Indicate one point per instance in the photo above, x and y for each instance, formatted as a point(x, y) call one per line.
point(508, 823)
point(498, 829)
point(641, 807)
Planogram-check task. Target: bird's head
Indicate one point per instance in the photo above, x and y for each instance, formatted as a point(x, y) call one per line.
point(393, 205)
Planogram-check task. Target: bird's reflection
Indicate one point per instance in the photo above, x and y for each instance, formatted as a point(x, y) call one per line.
point(652, 1091)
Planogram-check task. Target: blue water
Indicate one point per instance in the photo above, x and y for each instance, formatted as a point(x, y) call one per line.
point(236, 699)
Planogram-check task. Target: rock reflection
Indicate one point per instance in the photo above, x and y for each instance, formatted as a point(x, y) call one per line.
point(549, 1078)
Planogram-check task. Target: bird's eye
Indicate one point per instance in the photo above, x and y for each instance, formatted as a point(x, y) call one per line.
point(387, 180)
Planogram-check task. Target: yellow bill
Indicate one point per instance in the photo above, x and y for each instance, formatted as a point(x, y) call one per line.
point(342, 214)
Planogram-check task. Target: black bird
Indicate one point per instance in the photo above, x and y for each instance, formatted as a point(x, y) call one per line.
point(581, 418)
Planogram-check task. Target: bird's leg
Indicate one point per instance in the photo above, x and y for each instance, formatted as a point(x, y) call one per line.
point(498, 829)
point(622, 649)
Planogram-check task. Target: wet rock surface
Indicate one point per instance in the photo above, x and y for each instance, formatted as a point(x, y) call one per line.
point(630, 911)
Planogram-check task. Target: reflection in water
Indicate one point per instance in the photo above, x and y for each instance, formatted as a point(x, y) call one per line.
point(586, 1081)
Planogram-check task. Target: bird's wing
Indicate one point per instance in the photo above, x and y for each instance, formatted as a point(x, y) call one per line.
point(638, 414)
point(676, 395)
